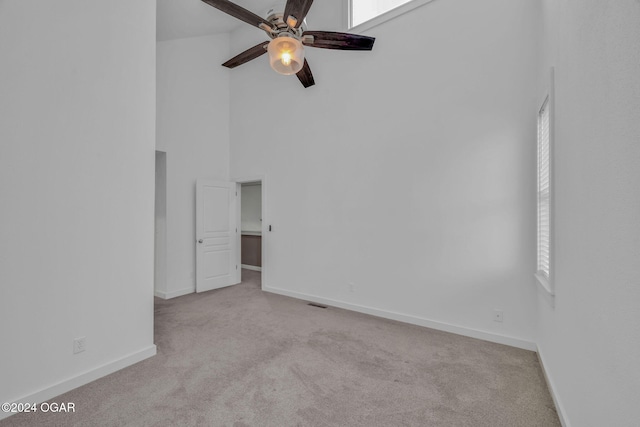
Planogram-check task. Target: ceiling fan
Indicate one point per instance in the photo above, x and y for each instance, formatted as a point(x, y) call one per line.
point(289, 36)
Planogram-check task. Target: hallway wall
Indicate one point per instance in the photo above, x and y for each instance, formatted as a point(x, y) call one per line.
point(77, 100)
point(193, 129)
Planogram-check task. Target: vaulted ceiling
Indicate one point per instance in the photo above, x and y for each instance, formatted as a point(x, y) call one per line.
point(190, 18)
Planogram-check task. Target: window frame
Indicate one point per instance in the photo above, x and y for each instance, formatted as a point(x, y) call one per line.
point(379, 19)
point(547, 284)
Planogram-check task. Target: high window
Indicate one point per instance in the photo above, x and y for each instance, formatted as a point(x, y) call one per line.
point(369, 13)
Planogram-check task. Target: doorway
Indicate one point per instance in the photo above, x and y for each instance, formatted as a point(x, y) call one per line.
point(160, 252)
point(251, 226)
point(251, 236)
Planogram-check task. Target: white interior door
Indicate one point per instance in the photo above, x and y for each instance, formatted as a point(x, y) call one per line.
point(216, 262)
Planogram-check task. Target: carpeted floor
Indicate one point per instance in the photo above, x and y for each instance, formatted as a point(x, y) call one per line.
point(242, 357)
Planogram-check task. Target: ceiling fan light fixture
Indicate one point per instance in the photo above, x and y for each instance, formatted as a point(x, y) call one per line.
point(286, 27)
point(286, 54)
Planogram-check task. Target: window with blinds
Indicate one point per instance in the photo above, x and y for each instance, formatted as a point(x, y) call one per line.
point(544, 191)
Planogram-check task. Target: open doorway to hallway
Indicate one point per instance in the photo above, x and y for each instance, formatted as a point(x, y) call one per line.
point(160, 250)
point(251, 227)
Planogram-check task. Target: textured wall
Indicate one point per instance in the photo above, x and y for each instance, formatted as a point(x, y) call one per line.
point(77, 99)
point(408, 171)
point(591, 340)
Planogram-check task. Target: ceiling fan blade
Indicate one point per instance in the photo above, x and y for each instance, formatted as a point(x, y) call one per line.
point(305, 76)
point(238, 12)
point(341, 41)
point(298, 9)
point(247, 55)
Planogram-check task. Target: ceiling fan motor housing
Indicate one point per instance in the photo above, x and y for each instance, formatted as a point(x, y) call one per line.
point(275, 15)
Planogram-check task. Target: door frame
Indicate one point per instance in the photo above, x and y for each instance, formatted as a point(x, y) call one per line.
point(264, 226)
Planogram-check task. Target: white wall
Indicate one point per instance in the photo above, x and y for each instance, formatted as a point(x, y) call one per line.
point(193, 129)
point(77, 97)
point(251, 208)
point(408, 170)
point(590, 341)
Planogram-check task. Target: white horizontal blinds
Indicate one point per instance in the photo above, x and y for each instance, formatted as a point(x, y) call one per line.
point(544, 199)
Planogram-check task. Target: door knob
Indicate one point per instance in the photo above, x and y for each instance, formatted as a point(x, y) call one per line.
point(200, 241)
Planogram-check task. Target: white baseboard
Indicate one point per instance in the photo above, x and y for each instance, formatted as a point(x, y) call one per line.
point(414, 320)
point(84, 378)
point(553, 391)
point(251, 267)
point(174, 294)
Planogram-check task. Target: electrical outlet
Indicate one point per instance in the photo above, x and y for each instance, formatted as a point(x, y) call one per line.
point(79, 345)
point(497, 315)
point(352, 287)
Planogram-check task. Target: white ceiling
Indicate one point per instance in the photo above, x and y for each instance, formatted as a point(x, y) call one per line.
point(190, 18)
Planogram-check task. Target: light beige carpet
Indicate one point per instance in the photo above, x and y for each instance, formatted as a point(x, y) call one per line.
point(242, 357)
